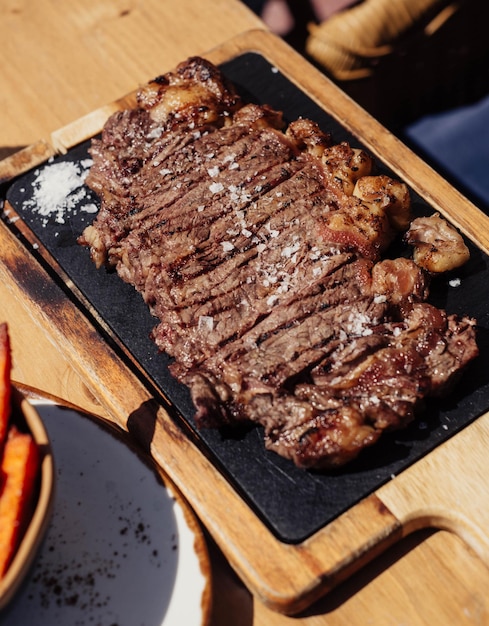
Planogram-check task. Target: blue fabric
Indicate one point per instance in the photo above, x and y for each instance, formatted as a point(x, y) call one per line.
point(458, 141)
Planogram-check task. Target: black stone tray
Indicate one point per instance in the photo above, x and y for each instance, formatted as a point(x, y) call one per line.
point(293, 503)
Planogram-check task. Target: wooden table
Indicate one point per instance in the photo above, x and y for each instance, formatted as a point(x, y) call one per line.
point(62, 60)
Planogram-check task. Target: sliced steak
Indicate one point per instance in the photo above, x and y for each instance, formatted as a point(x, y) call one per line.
point(258, 249)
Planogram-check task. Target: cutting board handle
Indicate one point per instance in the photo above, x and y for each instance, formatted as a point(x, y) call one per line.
point(447, 489)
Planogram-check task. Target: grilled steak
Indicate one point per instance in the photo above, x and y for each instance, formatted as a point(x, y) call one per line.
point(258, 248)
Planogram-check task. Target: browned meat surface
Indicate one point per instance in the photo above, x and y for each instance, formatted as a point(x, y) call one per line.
point(258, 248)
point(438, 247)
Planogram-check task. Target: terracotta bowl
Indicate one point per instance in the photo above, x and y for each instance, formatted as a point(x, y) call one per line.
point(27, 550)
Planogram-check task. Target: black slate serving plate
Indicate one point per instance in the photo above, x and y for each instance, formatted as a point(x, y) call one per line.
point(293, 503)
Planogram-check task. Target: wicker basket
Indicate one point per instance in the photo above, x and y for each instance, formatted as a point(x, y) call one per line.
point(351, 43)
point(403, 58)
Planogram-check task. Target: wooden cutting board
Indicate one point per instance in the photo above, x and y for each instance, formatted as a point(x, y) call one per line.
point(445, 489)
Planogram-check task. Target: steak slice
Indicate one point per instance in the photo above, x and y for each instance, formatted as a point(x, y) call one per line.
point(320, 406)
point(183, 227)
point(258, 249)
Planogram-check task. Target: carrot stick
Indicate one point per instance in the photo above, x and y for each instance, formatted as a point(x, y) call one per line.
point(18, 474)
point(5, 385)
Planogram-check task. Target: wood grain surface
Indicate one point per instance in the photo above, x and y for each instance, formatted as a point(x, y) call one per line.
point(435, 577)
point(62, 60)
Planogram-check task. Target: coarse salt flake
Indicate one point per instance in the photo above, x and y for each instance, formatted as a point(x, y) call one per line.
point(59, 189)
point(213, 171)
point(358, 324)
point(289, 251)
point(155, 133)
point(227, 246)
point(216, 187)
point(206, 323)
point(89, 208)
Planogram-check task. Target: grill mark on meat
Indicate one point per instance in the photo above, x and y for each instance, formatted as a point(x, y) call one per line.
point(190, 252)
point(292, 348)
point(255, 222)
point(267, 160)
point(333, 418)
point(125, 195)
point(321, 299)
point(276, 214)
point(246, 324)
point(189, 169)
point(260, 153)
point(123, 146)
point(251, 214)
